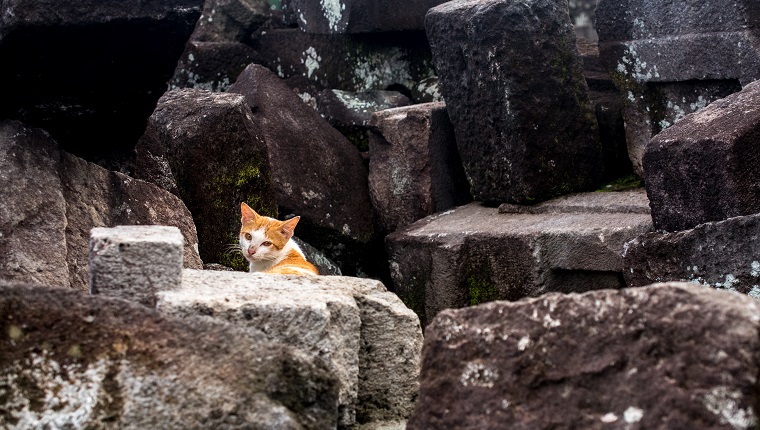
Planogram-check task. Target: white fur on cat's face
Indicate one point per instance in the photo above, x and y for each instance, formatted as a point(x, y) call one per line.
point(257, 249)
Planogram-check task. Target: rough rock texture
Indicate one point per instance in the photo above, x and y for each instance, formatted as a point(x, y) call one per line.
point(670, 58)
point(51, 201)
point(666, 356)
point(583, 15)
point(367, 334)
point(344, 108)
point(212, 66)
point(723, 254)
point(74, 361)
point(317, 173)
point(516, 95)
point(361, 16)
point(705, 168)
point(230, 20)
point(473, 253)
point(135, 262)
point(350, 63)
point(215, 153)
point(98, 67)
point(414, 167)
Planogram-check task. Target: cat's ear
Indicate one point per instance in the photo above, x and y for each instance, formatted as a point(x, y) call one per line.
point(248, 213)
point(288, 227)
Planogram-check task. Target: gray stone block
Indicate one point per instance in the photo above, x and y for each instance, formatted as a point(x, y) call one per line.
point(515, 92)
point(473, 253)
point(667, 356)
point(135, 262)
point(670, 58)
point(360, 16)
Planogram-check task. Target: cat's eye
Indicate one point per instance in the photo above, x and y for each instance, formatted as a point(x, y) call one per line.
point(266, 243)
point(248, 236)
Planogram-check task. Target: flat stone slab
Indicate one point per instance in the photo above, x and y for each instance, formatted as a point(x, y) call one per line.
point(473, 253)
point(365, 332)
point(667, 356)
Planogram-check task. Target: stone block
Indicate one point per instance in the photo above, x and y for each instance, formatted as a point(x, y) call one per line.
point(517, 97)
point(344, 108)
point(671, 58)
point(705, 168)
point(230, 20)
point(360, 16)
point(670, 356)
point(414, 167)
point(474, 253)
point(98, 68)
point(724, 255)
point(211, 66)
point(371, 340)
point(73, 361)
point(135, 262)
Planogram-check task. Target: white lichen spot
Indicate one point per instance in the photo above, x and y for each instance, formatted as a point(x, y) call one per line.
point(633, 415)
point(381, 70)
point(478, 375)
point(333, 12)
point(725, 403)
point(754, 292)
point(609, 418)
point(311, 61)
point(346, 230)
point(190, 57)
point(755, 266)
point(549, 322)
point(523, 343)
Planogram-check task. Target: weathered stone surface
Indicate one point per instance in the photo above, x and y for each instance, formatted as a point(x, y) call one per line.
point(516, 95)
point(350, 63)
point(670, 58)
point(473, 254)
point(216, 154)
point(51, 201)
point(317, 173)
point(135, 262)
point(583, 15)
point(74, 361)
point(98, 67)
point(414, 168)
point(212, 66)
point(230, 20)
point(705, 168)
point(361, 16)
point(344, 108)
point(723, 255)
point(371, 338)
point(324, 265)
point(666, 356)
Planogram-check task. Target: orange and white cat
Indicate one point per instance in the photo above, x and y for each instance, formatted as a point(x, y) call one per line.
point(266, 244)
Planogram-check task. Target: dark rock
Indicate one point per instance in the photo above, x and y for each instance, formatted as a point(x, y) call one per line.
point(721, 254)
point(324, 265)
point(317, 173)
point(387, 61)
point(361, 16)
point(670, 58)
point(93, 362)
point(426, 91)
point(212, 66)
point(230, 20)
point(345, 108)
point(473, 254)
point(414, 167)
point(97, 71)
point(52, 200)
point(583, 15)
point(517, 98)
point(705, 168)
point(216, 154)
point(668, 356)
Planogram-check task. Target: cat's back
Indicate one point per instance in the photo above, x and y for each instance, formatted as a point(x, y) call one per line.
point(293, 264)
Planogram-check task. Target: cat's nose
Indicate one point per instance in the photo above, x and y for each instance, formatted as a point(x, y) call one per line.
point(251, 251)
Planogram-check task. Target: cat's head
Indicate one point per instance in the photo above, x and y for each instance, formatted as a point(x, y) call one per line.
point(263, 238)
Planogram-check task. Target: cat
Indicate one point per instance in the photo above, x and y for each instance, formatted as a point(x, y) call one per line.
point(267, 245)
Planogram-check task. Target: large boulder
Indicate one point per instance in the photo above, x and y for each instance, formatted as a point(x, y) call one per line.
point(73, 361)
point(53, 199)
point(414, 167)
point(516, 94)
point(361, 16)
point(670, 356)
point(98, 67)
point(706, 167)
point(316, 172)
point(723, 255)
point(474, 253)
point(670, 58)
point(371, 340)
point(215, 153)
